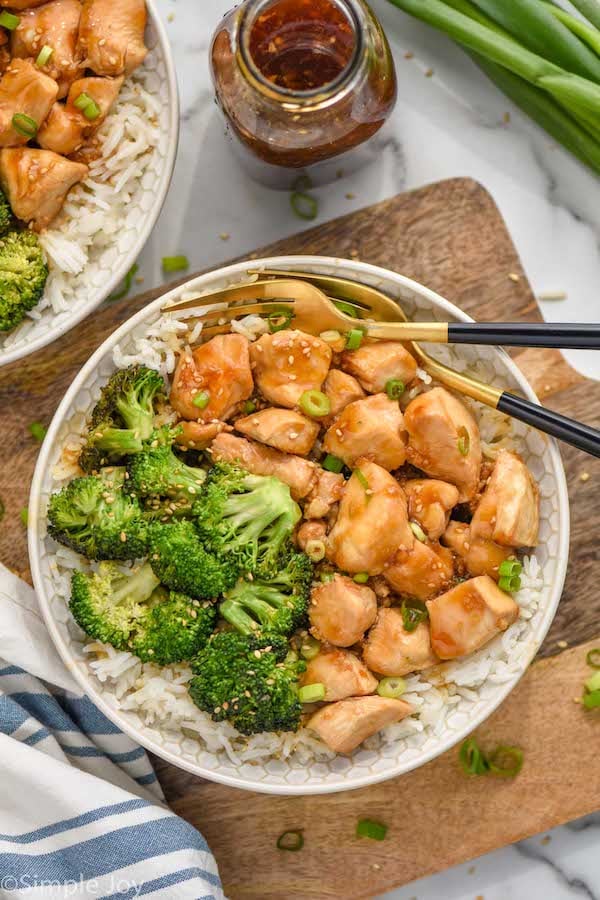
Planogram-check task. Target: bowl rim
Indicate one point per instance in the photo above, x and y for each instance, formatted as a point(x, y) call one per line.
point(35, 539)
point(160, 194)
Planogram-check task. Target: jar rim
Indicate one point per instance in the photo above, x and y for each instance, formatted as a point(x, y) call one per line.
point(314, 96)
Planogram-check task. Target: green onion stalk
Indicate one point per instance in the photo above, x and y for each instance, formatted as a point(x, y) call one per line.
point(555, 79)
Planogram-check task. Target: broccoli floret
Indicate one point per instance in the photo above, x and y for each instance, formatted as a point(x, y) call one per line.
point(96, 517)
point(247, 518)
point(23, 274)
point(175, 628)
point(181, 562)
point(250, 681)
point(277, 604)
point(157, 471)
point(108, 604)
point(7, 220)
point(132, 612)
point(123, 418)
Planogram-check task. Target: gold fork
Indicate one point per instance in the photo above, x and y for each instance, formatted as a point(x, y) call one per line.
point(283, 299)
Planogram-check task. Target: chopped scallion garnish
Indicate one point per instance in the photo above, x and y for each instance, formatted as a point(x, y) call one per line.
point(472, 758)
point(88, 106)
point(418, 531)
point(249, 407)
point(175, 263)
point(593, 658)
point(24, 125)
point(509, 583)
point(315, 403)
point(43, 57)
point(354, 339)
point(127, 282)
point(9, 21)
point(392, 687)
point(592, 701)
point(279, 320)
point(315, 550)
point(24, 514)
point(361, 478)
point(333, 463)
point(593, 683)
point(326, 577)
point(506, 761)
point(291, 840)
point(509, 567)
point(201, 400)
point(361, 577)
point(311, 693)
point(413, 613)
point(394, 388)
point(304, 206)
point(464, 441)
point(37, 431)
point(368, 828)
point(309, 648)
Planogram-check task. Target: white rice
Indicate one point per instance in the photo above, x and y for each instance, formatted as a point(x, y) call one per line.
point(447, 696)
point(91, 222)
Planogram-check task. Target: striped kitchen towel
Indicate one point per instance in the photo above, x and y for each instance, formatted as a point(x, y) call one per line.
point(81, 811)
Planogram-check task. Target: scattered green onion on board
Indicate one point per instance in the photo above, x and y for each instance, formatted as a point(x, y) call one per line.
point(368, 828)
point(24, 514)
point(394, 388)
point(127, 282)
point(309, 648)
point(201, 400)
point(413, 613)
point(593, 658)
point(333, 463)
point(24, 125)
point(472, 758)
point(311, 693)
point(593, 683)
point(175, 263)
point(279, 319)
point(315, 550)
point(304, 205)
point(315, 403)
point(392, 687)
point(354, 339)
point(43, 57)
point(505, 761)
point(37, 431)
point(291, 840)
point(361, 578)
point(9, 21)
point(591, 700)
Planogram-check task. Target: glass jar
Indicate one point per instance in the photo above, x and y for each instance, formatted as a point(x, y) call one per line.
point(303, 85)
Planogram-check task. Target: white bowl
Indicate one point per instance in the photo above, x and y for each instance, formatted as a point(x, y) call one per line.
point(114, 261)
point(365, 766)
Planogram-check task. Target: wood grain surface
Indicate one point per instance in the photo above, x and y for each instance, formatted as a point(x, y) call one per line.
point(451, 237)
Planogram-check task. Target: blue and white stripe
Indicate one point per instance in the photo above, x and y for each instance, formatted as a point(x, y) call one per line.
point(82, 813)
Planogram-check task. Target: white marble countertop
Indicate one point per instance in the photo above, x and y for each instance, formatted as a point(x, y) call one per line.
point(449, 124)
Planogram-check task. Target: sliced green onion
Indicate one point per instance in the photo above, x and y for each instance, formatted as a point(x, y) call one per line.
point(44, 55)
point(37, 431)
point(593, 683)
point(510, 567)
point(127, 282)
point(249, 406)
point(310, 647)
point(88, 106)
point(311, 693)
point(464, 441)
point(354, 339)
point(9, 21)
point(24, 514)
point(394, 388)
point(201, 400)
point(593, 658)
point(361, 478)
point(24, 125)
point(304, 206)
point(418, 531)
point(368, 828)
point(315, 550)
point(589, 9)
point(391, 687)
point(510, 584)
point(82, 101)
point(413, 613)
point(472, 758)
point(588, 35)
point(279, 320)
point(592, 701)
point(333, 463)
point(506, 762)
point(175, 263)
point(326, 577)
point(361, 577)
point(291, 840)
point(315, 403)
point(355, 312)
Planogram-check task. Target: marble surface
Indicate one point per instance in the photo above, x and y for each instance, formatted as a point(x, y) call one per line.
point(448, 123)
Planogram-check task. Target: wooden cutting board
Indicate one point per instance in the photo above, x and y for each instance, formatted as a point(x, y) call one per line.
point(451, 237)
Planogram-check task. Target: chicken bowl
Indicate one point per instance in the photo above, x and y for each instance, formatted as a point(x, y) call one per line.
point(292, 562)
point(89, 120)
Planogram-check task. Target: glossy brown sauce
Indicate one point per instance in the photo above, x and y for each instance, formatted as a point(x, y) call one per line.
point(301, 45)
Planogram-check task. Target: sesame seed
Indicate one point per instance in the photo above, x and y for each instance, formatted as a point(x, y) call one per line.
point(123, 537)
point(585, 476)
point(291, 360)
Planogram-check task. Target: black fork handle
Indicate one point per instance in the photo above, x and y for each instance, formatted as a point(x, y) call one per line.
point(584, 437)
point(567, 335)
